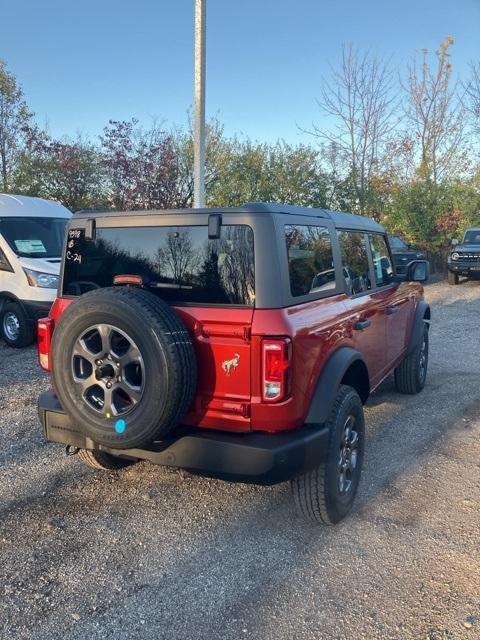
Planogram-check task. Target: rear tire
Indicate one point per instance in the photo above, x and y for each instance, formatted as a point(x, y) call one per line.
point(411, 373)
point(325, 494)
point(102, 460)
point(453, 278)
point(17, 330)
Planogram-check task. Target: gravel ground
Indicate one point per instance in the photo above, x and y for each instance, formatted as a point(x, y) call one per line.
point(155, 553)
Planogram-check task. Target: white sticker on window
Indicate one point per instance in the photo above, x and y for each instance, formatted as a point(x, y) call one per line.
point(30, 246)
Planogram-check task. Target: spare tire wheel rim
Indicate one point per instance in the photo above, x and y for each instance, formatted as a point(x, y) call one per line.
point(108, 370)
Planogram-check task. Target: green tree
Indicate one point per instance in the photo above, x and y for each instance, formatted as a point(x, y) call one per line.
point(430, 215)
point(69, 171)
point(241, 174)
point(252, 171)
point(14, 119)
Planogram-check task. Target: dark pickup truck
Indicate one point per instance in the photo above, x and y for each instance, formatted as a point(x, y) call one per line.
point(464, 258)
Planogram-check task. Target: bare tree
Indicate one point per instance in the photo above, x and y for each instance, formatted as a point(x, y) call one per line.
point(237, 269)
point(435, 114)
point(471, 99)
point(178, 256)
point(14, 117)
point(337, 183)
point(361, 100)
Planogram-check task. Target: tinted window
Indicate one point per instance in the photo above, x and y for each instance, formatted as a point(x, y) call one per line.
point(355, 261)
point(398, 244)
point(382, 265)
point(179, 263)
point(34, 237)
point(310, 260)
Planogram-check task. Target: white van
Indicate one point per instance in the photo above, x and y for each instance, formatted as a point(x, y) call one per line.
point(31, 238)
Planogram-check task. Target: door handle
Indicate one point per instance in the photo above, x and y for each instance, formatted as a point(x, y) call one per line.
point(392, 309)
point(362, 324)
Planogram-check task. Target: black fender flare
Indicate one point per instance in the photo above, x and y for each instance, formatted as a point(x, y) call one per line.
point(422, 317)
point(329, 381)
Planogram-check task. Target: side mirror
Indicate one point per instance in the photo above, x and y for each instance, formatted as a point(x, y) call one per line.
point(454, 242)
point(417, 271)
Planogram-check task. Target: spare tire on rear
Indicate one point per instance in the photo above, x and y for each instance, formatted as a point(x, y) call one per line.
point(124, 366)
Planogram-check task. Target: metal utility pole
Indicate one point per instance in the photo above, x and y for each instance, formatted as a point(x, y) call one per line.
point(199, 137)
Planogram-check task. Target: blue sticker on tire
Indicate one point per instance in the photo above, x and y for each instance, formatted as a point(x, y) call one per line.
point(120, 426)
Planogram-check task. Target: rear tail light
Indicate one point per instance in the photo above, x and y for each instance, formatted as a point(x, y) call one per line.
point(44, 341)
point(276, 369)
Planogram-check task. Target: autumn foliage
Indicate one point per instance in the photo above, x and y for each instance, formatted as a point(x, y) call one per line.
point(404, 152)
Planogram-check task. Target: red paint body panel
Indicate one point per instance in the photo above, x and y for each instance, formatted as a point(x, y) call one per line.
point(58, 307)
point(228, 344)
point(222, 344)
point(316, 328)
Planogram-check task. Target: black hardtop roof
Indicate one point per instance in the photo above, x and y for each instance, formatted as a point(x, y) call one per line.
point(339, 219)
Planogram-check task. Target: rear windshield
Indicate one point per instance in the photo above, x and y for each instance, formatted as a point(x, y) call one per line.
point(34, 237)
point(179, 263)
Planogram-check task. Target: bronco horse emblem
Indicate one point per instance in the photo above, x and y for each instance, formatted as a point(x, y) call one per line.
point(230, 365)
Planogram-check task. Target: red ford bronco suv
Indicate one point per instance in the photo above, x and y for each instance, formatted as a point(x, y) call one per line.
point(237, 343)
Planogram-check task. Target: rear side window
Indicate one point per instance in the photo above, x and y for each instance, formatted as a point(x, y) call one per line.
point(382, 265)
point(310, 259)
point(179, 263)
point(356, 268)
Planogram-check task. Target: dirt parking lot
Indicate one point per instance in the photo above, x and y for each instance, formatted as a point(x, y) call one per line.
point(155, 553)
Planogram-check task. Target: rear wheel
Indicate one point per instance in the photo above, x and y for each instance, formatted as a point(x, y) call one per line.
point(325, 494)
point(411, 373)
point(17, 330)
point(102, 460)
point(453, 278)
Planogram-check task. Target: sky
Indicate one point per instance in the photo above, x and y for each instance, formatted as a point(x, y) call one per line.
point(83, 63)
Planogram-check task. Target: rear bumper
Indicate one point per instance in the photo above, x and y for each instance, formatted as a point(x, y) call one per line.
point(254, 458)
